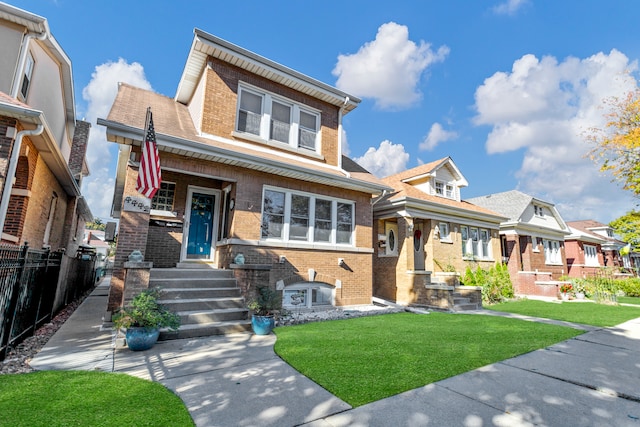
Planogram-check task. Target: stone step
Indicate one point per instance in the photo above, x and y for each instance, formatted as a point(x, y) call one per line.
point(207, 329)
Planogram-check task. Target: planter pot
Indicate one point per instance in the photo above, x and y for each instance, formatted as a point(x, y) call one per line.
point(565, 296)
point(139, 339)
point(579, 295)
point(262, 325)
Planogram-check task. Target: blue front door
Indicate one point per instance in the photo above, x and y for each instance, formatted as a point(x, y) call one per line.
point(201, 226)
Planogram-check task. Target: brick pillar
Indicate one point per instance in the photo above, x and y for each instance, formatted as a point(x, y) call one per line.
point(132, 234)
point(136, 278)
point(79, 149)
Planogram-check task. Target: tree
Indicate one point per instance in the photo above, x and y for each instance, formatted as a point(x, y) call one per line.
point(96, 224)
point(628, 228)
point(617, 145)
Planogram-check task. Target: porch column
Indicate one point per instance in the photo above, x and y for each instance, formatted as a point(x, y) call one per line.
point(132, 235)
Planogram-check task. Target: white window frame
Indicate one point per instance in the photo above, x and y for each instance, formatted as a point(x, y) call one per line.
point(476, 248)
point(306, 288)
point(295, 127)
point(444, 232)
point(311, 237)
point(552, 252)
point(166, 187)
point(591, 256)
point(27, 77)
point(438, 188)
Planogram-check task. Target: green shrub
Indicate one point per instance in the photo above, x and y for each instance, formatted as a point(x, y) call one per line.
point(630, 287)
point(495, 282)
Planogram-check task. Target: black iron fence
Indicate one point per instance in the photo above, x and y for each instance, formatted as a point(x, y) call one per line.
point(29, 294)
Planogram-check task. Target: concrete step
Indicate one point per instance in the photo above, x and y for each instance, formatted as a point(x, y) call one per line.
point(207, 329)
point(191, 273)
point(210, 316)
point(202, 303)
point(190, 282)
point(465, 307)
point(194, 293)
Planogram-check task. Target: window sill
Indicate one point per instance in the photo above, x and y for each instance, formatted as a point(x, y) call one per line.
point(447, 241)
point(164, 214)
point(277, 144)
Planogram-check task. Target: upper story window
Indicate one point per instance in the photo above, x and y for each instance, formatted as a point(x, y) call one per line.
point(538, 210)
point(26, 77)
point(273, 118)
point(305, 217)
point(443, 189)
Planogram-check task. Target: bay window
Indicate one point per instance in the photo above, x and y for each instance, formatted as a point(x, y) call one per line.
point(476, 242)
point(591, 256)
point(552, 252)
point(304, 217)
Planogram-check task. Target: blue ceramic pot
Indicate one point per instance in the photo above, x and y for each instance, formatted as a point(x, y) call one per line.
point(139, 339)
point(262, 325)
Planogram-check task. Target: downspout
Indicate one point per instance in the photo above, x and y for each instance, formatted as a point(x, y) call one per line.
point(340, 114)
point(15, 87)
point(11, 171)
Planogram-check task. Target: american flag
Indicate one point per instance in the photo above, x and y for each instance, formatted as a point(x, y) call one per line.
point(149, 177)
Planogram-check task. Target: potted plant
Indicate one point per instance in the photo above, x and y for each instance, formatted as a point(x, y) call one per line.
point(565, 288)
point(142, 318)
point(580, 290)
point(267, 300)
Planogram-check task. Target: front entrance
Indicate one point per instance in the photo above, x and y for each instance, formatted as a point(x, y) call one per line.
point(201, 223)
point(418, 245)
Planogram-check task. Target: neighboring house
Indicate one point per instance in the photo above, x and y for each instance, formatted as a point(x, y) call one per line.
point(532, 241)
point(427, 235)
point(251, 162)
point(42, 145)
point(610, 251)
point(584, 252)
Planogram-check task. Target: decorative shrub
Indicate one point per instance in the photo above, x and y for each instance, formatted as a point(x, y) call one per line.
point(495, 282)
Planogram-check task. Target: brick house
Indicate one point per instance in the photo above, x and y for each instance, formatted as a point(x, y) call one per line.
point(427, 235)
point(42, 145)
point(532, 241)
point(251, 160)
point(592, 247)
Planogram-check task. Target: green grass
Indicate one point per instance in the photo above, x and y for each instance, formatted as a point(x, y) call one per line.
point(365, 359)
point(577, 312)
point(79, 398)
point(629, 300)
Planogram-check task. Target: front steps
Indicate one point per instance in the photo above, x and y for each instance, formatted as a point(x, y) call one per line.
point(207, 300)
point(461, 303)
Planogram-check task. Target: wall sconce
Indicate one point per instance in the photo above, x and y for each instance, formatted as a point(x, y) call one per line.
point(436, 232)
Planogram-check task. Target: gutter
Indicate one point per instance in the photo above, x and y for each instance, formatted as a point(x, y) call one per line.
point(11, 171)
point(24, 50)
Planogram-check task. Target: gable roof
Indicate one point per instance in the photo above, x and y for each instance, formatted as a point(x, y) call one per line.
point(513, 205)
point(177, 134)
point(415, 202)
point(584, 229)
point(205, 45)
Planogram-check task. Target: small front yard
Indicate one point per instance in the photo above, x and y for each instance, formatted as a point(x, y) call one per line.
point(366, 359)
point(587, 313)
point(78, 398)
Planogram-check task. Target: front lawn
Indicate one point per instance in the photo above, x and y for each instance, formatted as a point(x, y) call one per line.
point(80, 398)
point(365, 359)
point(629, 300)
point(586, 313)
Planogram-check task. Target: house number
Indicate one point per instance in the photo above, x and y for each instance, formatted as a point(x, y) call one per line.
point(137, 204)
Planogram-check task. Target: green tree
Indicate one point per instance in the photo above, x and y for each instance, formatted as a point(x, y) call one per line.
point(617, 145)
point(628, 228)
point(96, 224)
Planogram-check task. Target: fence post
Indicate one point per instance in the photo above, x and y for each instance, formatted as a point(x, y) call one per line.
point(13, 303)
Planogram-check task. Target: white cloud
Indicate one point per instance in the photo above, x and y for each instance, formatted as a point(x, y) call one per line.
point(387, 159)
point(437, 134)
point(543, 107)
point(509, 7)
point(99, 94)
point(388, 69)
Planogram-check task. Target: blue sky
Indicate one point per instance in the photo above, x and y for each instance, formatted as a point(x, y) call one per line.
point(507, 88)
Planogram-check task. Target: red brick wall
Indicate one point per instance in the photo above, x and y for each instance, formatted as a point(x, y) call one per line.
point(219, 114)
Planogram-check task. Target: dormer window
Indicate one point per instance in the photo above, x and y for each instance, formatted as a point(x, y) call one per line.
point(443, 189)
point(538, 210)
point(439, 188)
point(273, 118)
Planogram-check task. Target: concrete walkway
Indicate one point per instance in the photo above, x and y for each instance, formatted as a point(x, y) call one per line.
point(238, 380)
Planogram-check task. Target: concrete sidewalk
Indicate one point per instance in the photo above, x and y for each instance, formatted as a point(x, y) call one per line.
point(238, 380)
